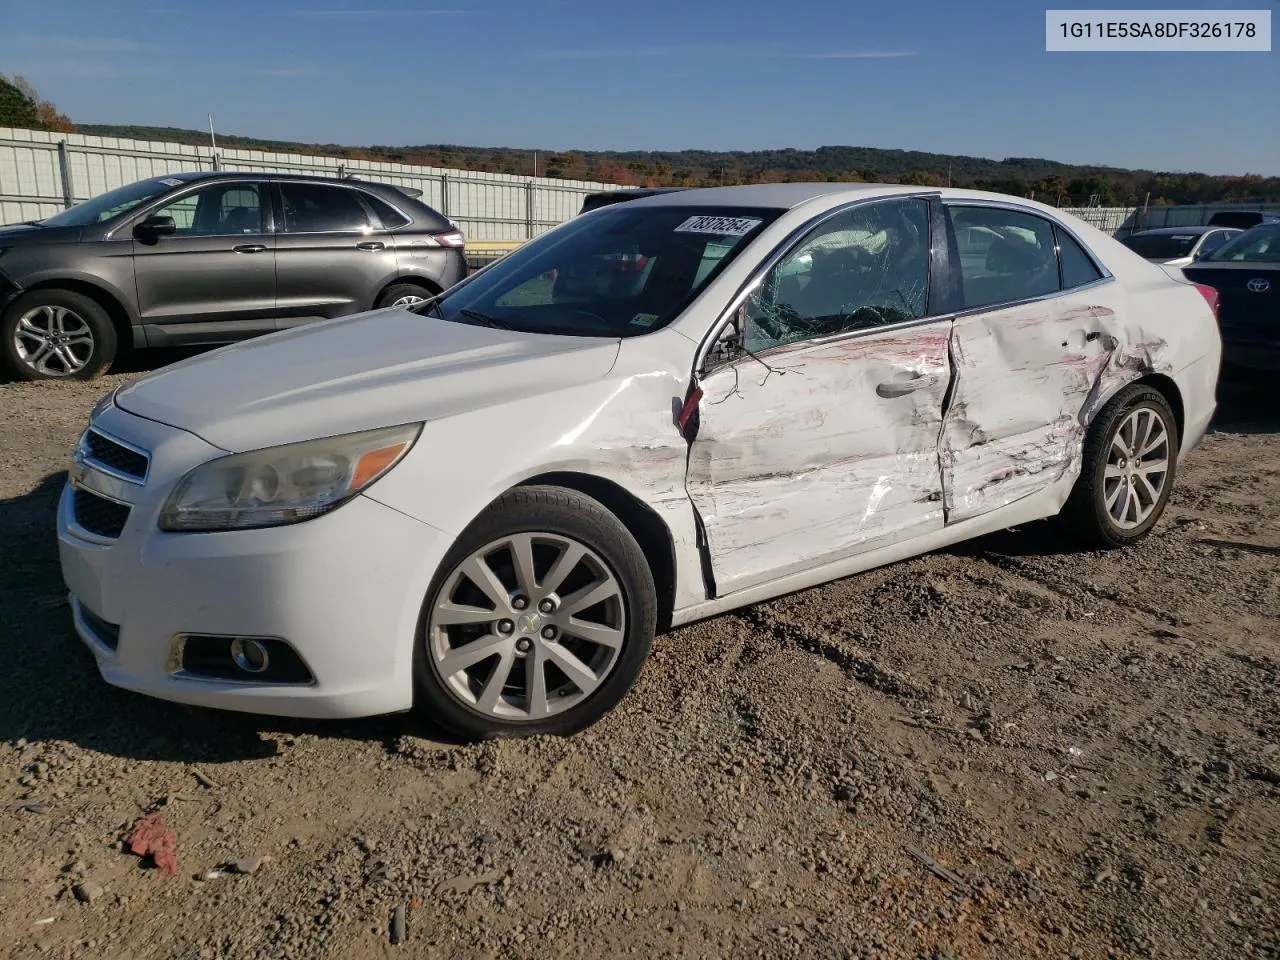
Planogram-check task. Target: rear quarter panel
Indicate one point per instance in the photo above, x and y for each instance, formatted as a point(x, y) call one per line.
point(1165, 327)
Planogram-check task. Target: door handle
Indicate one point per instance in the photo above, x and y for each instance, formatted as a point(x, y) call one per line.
point(250, 248)
point(900, 388)
point(371, 245)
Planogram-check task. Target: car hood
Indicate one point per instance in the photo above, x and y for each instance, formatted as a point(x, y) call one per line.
point(25, 233)
point(357, 373)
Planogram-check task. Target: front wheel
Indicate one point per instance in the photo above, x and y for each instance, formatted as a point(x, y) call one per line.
point(1130, 460)
point(56, 335)
point(539, 621)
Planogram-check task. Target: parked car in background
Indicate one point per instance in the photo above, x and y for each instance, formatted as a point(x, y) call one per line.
point(492, 501)
point(209, 258)
point(1178, 246)
point(1246, 274)
point(1242, 219)
point(594, 201)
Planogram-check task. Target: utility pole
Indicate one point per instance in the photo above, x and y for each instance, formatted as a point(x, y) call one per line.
point(948, 173)
point(213, 141)
point(535, 163)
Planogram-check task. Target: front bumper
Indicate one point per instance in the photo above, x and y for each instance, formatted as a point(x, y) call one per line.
point(344, 590)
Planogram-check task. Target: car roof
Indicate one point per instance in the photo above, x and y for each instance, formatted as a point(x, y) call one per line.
point(1170, 231)
point(195, 176)
point(788, 196)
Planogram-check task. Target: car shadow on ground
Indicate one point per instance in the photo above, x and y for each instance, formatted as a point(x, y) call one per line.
point(50, 688)
point(1247, 409)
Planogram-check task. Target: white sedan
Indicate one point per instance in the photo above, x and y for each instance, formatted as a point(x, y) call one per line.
point(489, 503)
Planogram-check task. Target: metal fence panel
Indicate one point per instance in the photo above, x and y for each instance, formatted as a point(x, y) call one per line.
point(39, 169)
point(487, 206)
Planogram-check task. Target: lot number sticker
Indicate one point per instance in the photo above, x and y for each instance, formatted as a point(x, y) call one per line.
point(719, 226)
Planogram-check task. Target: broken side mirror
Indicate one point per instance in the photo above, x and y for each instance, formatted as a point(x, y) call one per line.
point(728, 344)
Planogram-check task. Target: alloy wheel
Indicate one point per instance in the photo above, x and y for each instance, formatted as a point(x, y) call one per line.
point(54, 341)
point(527, 627)
point(1137, 468)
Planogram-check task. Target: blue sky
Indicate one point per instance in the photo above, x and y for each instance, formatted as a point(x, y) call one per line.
point(657, 74)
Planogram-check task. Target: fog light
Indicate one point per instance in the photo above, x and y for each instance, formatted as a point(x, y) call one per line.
point(249, 655)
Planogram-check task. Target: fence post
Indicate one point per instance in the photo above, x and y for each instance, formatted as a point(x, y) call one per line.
point(444, 194)
point(64, 168)
point(528, 209)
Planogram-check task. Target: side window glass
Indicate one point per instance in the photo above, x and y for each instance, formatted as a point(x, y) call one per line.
point(864, 268)
point(1077, 268)
point(314, 208)
point(1005, 255)
point(1213, 241)
point(223, 209)
point(389, 215)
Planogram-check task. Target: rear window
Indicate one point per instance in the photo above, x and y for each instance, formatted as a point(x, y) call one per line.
point(624, 271)
point(1259, 245)
point(1161, 246)
point(389, 215)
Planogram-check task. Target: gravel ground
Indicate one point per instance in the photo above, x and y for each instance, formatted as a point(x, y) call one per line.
point(1001, 750)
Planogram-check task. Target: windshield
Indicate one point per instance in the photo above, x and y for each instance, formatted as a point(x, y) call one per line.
point(1162, 246)
point(621, 272)
point(107, 205)
point(1259, 245)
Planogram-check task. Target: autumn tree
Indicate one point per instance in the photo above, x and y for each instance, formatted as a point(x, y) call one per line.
point(21, 106)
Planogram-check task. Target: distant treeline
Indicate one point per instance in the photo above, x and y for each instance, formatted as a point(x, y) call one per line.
point(1057, 183)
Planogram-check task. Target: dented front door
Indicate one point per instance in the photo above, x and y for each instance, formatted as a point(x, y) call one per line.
point(829, 450)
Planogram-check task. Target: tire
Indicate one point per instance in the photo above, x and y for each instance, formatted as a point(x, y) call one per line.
point(400, 291)
point(88, 337)
point(511, 641)
point(1097, 514)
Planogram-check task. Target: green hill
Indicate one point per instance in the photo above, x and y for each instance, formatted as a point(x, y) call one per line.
point(1048, 180)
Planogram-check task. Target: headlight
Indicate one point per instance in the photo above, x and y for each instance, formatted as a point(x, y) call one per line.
point(288, 484)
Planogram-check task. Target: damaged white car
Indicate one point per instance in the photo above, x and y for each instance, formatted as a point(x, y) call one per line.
point(488, 504)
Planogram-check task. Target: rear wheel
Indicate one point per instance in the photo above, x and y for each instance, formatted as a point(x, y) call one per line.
point(1130, 460)
point(402, 295)
point(56, 335)
point(540, 620)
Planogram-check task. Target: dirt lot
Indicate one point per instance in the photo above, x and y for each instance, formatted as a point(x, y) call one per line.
point(1082, 746)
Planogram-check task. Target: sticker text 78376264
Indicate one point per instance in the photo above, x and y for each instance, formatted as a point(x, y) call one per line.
point(719, 226)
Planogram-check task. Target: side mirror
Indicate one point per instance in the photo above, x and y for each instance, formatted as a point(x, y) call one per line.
point(728, 345)
point(152, 228)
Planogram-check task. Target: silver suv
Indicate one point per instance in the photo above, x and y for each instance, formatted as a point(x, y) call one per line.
point(210, 258)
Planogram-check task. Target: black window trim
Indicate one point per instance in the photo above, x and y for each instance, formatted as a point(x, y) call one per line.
point(790, 243)
point(192, 187)
point(1054, 224)
point(374, 220)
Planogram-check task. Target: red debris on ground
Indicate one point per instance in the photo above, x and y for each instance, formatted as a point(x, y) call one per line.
point(151, 836)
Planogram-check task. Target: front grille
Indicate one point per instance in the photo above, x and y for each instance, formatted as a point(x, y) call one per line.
point(118, 457)
point(99, 516)
point(108, 633)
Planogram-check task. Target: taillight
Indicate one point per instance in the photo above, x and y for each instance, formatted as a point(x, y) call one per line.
point(446, 238)
point(1210, 296)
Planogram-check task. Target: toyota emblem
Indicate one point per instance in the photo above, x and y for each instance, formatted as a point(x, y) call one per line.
point(1259, 285)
